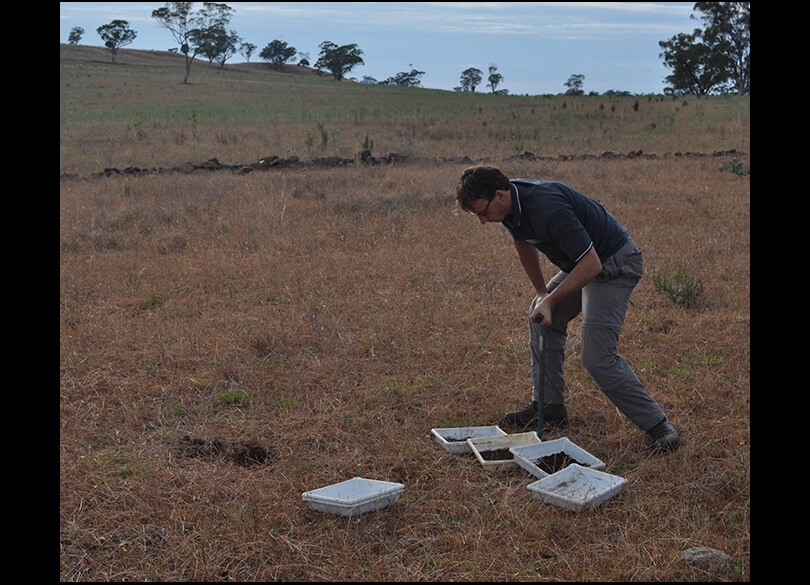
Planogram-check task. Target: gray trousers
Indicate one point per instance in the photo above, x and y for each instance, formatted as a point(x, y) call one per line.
point(603, 304)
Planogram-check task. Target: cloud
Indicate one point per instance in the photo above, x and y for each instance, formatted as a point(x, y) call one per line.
point(543, 19)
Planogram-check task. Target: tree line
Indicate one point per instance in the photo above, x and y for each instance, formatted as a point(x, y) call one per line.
point(714, 58)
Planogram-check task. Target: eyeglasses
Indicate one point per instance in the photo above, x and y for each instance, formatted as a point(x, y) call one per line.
point(484, 212)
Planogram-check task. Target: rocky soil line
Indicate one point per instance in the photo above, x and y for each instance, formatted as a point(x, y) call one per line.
point(365, 158)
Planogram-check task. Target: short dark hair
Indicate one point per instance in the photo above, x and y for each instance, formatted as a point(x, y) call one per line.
point(479, 182)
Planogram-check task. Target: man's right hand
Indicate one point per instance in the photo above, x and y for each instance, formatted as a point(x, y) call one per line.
point(541, 315)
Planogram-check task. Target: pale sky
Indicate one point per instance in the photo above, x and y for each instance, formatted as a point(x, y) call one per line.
point(536, 46)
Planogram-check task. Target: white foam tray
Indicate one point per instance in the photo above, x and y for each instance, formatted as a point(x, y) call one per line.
point(577, 488)
point(484, 444)
point(454, 439)
point(526, 455)
point(354, 496)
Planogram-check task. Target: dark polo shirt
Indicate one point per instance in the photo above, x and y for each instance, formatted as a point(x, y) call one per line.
point(562, 223)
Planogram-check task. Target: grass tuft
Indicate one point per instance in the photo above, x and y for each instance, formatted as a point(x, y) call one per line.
point(680, 287)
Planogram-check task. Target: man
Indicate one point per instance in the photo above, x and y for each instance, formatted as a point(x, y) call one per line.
point(599, 267)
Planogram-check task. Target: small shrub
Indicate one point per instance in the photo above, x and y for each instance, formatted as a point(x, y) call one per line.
point(232, 398)
point(737, 167)
point(681, 288)
point(139, 127)
point(518, 144)
point(324, 135)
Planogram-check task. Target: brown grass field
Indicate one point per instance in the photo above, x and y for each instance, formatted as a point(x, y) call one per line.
point(319, 321)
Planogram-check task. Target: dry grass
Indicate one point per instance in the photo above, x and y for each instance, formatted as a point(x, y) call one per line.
point(333, 317)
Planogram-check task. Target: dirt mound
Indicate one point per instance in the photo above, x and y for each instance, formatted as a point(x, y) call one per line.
point(365, 158)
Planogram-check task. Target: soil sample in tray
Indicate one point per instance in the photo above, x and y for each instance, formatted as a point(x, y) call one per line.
point(496, 454)
point(555, 462)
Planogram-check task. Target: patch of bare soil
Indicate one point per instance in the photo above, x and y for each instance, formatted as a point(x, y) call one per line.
point(244, 455)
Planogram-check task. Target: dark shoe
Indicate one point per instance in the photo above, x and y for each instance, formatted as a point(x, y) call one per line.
point(664, 437)
point(524, 417)
point(554, 415)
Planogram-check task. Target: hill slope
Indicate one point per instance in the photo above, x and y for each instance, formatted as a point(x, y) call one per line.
point(137, 112)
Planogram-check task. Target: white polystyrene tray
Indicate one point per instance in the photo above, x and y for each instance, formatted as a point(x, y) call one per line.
point(454, 439)
point(527, 455)
point(354, 496)
point(484, 444)
point(577, 488)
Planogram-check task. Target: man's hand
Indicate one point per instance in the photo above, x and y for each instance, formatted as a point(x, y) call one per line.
point(542, 312)
point(585, 271)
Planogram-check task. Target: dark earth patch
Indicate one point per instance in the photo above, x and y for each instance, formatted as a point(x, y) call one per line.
point(555, 462)
point(496, 455)
point(365, 158)
point(244, 455)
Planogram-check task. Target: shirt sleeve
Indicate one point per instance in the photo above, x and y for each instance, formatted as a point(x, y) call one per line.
point(569, 235)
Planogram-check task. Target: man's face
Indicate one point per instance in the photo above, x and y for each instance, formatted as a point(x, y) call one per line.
point(496, 209)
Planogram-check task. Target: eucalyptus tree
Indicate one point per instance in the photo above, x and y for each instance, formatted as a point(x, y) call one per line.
point(277, 53)
point(574, 84)
point(727, 32)
point(193, 30)
point(219, 44)
point(75, 36)
point(115, 35)
point(470, 79)
point(495, 78)
point(715, 58)
point(246, 50)
point(338, 60)
point(694, 67)
point(412, 78)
